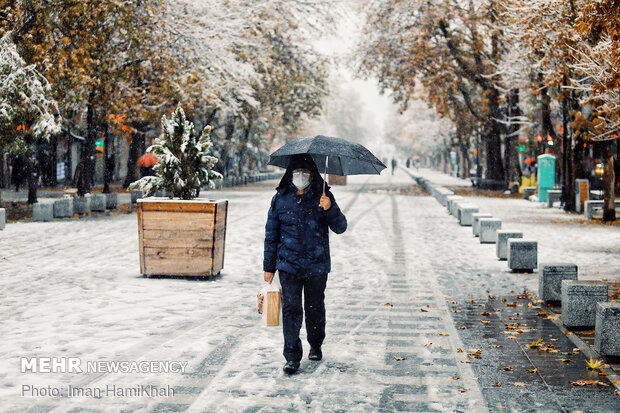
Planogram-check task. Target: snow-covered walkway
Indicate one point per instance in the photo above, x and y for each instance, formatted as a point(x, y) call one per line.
point(404, 277)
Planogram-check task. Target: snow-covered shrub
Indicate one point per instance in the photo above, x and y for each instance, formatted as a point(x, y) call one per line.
point(184, 162)
point(26, 106)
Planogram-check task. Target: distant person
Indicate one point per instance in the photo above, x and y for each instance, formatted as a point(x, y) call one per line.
point(408, 162)
point(394, 163)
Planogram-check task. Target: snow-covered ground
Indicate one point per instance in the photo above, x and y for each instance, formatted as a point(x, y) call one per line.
point(73, 288)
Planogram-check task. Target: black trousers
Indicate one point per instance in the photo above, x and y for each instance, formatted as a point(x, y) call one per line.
point(292, 313)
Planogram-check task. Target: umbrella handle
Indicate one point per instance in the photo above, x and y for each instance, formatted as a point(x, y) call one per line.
point(325, 174)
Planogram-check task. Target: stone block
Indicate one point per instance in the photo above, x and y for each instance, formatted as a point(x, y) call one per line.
point(475, 225)
point(553, 196)
point(551, 277)
point(522, 254)
point(63, 208)
point(97, 203)
point(111, 201)
point(81, 205)
point(450, 199)
point(488, 230)
point(579, 299)
point(501, 248)
point(465, 213)
point(442, 194)
point(2, 218)
point(136, 194)
point(42, 211)
point(528, 191)
point(607, 326)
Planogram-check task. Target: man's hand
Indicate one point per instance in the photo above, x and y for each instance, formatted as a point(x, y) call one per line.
point(325, 202)
point(269, 276)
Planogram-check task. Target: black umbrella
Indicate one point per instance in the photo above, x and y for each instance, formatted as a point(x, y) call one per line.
point(336, 156)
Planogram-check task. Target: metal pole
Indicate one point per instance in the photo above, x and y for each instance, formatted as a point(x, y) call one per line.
point(325, 174)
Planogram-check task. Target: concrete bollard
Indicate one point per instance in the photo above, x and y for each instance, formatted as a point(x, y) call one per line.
point(42, 211)
point(136, 194)
point(63, 208)
point(81, 205)
point(553, 195)
point(551, 277)
point(579, 299)
point(2, 218)
point(501, 248)
point(450, 202)
point(607, 327)
point(97, 203)
point(528, 191)
point(465, 214)
point(111, 201)
point(522, 255)
point(475, 224)
point(488, 230)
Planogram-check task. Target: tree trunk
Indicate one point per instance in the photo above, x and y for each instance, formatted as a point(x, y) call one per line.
point(32, 179)
point(136, 149)
point(464, 160)
point(84, 182)
point(54, 161)
point(609, 183)
point(511, 153)
point(547, 126)
point(568, 187)
point(2, 172)
point(108, 161)
point(491, 131)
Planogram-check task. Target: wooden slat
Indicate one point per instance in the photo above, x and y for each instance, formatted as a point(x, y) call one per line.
point(220, 237)
point(177, 253)
point(141, 239)
point(177, 221)
point(178, 266)
point(184, 237)
point(175, 205)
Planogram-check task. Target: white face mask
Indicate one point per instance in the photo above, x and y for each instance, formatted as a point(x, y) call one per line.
point(301, 179)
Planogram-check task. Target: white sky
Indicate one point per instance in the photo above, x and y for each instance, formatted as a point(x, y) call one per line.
point(340, 46)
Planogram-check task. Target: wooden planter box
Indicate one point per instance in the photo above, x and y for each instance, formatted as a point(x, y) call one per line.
point(180, 237)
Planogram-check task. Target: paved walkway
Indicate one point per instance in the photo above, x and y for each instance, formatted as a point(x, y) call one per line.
point(416, 318)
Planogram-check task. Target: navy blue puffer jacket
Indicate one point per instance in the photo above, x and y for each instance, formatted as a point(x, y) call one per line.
point(296, 234)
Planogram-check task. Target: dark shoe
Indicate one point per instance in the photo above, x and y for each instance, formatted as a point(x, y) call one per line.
point(315, 354)
point(291, 367)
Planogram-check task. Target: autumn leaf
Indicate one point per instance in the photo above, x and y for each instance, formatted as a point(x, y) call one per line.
point(496, 345)
point(565, 360)
point(388, 305)
point(486, 314)
point(463, 390)
point(443, 334)
point(485, 321)
point(423, 310)
point(498, 384)
point(455, 378)
point(594, 364)
point(508, 368)
point(428, 344)
point(397, 358)
point(535, 343)
point(520, 384)
point(459, 350)
point(533, 370)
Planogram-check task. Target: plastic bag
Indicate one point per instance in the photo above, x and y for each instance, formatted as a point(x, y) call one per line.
point(269, 305)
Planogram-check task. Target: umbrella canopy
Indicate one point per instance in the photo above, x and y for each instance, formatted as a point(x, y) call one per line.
point(529, 160)
point(146, 160)
point(343, 157)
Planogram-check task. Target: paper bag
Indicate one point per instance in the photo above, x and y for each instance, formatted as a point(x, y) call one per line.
point(268, 304)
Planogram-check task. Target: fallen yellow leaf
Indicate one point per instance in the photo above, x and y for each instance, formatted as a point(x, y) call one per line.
point(594, 364)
